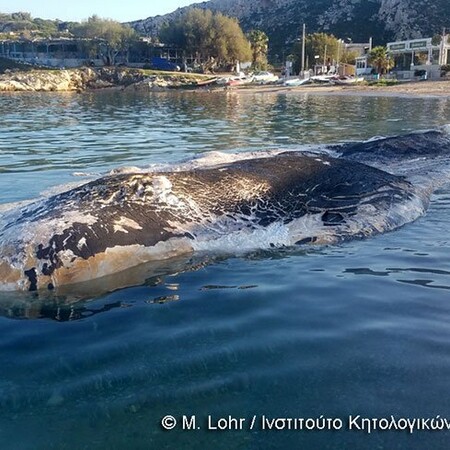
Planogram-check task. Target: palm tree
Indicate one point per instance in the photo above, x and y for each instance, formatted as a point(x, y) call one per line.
point(380, 58)
point(259, 43)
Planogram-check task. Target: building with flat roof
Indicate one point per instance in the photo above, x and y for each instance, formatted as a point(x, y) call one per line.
point(362, 66)
point(63, 52)
point(75, 52)
point(420, 57)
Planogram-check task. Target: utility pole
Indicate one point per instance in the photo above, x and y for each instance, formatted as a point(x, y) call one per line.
point(338, 60)
point(442, 49)
point(303, 50)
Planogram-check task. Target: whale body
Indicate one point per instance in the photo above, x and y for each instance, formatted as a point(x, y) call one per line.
point(119, 221)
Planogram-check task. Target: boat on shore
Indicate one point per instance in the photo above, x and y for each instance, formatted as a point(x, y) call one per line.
point(264, 78)
point(207, 82)
point(238, 81)
point(345, 81)
point(297, 82)
point(322, 78)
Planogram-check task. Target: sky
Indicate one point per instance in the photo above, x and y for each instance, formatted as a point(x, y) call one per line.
point(121, 10)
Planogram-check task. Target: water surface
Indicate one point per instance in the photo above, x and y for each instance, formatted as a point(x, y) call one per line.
point(357, 328)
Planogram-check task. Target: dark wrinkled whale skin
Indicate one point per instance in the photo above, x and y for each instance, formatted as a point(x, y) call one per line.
point(119, 221)
point(428, 144)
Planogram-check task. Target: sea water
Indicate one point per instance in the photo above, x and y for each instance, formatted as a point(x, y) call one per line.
point(359, 330)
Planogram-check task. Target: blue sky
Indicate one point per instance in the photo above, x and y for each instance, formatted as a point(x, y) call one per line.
point(121, 10)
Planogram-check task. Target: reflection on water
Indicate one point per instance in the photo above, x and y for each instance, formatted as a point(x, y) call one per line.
point(68, 302)
point(358, 328)
point(425, 283)
point(429, 283)
point(95, 132)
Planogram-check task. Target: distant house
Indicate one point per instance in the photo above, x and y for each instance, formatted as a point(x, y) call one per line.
point(363, 67)
point(360, 49)
point(63, 52)
point(419, 57)
point(73, 52)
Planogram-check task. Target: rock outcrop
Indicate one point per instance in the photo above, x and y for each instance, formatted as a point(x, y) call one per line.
point(88, 78)
point(52, 80)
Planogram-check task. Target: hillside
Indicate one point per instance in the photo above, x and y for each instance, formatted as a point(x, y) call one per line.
point(385, 20)
point(22, 22)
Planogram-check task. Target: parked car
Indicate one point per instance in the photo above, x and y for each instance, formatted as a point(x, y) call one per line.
point(158, 63)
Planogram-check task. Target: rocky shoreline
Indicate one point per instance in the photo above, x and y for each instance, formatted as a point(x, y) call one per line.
point(83, 79)
point(89, 78)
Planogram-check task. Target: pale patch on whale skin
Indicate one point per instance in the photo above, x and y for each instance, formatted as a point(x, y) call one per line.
point(109, 262)
point(81, 243)
point(162, 188)
point(9, 276)
point(114, 260)
point(123, 223)
point(18, 245)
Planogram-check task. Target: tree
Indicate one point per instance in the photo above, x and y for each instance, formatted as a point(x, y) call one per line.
point(326, 46)
point(259, 43)
point(380, 59)
point(106, 37)
point(348, 57)
point(46, 28)
point(436, 39)
point(214, 39)
point(17, 22)
point(320, 48)
point(229, 42)
point(21, 16)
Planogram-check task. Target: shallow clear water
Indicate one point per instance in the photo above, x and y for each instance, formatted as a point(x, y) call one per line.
point(359, 328)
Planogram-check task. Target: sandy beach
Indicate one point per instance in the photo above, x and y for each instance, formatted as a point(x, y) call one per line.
point(410, 89)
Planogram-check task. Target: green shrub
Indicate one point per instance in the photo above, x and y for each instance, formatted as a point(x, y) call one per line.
point(383, 82)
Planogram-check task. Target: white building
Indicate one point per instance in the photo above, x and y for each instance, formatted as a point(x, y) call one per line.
point(419, 57)
point(362, 66)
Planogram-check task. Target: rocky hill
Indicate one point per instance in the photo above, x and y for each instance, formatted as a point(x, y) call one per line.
point(385, 20)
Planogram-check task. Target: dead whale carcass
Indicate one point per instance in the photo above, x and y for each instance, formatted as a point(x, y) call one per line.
point(120, 221)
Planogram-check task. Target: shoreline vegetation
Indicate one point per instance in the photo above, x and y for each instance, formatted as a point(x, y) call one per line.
point(129, 79)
